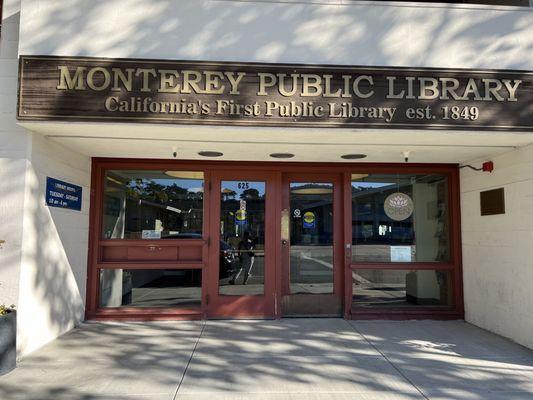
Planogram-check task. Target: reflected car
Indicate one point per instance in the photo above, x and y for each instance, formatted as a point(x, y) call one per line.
point(227, 259)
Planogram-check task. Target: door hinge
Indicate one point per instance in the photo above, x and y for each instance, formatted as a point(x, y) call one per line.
point(207, 299)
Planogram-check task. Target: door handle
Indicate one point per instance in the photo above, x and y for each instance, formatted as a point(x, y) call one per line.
point(348, 250)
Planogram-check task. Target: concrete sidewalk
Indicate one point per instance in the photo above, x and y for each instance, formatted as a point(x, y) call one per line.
point(294, 359)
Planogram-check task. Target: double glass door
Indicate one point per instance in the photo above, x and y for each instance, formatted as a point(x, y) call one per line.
point(273, 249)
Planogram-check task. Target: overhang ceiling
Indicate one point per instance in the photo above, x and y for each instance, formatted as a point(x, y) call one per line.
point(257, 143)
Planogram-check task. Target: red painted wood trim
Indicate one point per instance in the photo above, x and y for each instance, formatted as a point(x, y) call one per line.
point(347, 240)
point(151, 242)
point(223, 306)
point(99, 165)
point(151, 265)
point(402, 265)
point(338, 226)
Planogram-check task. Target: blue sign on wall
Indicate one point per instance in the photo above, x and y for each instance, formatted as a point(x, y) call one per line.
point(62, 194)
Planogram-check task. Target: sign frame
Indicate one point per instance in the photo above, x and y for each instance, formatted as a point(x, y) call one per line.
point(64, 189)
point(31, 99)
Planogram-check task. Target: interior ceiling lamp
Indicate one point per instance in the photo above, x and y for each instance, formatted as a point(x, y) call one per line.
point(312, 190)
point(185, 174)
point(356, 177)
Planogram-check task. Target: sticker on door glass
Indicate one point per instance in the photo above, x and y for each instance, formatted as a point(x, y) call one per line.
point(240, 217)
point(400, 253)
point(398, 206)
point(309, 220)
point(297, 213)
point(151, 234)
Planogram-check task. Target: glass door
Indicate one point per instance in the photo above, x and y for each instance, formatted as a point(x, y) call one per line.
point(312, 268)
point(242, 255)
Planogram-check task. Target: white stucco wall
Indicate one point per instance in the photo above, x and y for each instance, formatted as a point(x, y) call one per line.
point(13, 152)
point(314, 31)
point(497, 249)
point(43, 262)
point(54, 252)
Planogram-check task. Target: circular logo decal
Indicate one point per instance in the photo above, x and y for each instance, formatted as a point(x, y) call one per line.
point(297, 213)
point(398, 206)
point(309, 219)
point(240, 217)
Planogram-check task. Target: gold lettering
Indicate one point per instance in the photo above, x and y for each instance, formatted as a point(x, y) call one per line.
point(91, 81)
point(327, 89)
point(471, 87)
point(489, 89)
point(511, 88)
point(356, 89)
point(145, 72)
point(447, 89)
point(125, 80)
point(68, 82)
point(111, 104)
point(270, 107)
point(266, 79)
point(281, 85)
point(391, 94)
point(212, 82)
point(168, 81)
point(234, 81)
point(311, 81)
point(189, 82)
point(428, 85)
point(346, 90)
point(410, 87)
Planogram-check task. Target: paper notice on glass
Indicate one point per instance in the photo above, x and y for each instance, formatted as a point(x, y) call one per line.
point(151, 234)
point(400, 253)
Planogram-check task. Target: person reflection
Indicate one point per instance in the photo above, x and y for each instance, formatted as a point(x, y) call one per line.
point(246, 259)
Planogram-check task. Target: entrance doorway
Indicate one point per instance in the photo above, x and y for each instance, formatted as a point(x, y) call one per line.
point(311, 266)
point(246, 220)
point(172, 240)
point(242, 282)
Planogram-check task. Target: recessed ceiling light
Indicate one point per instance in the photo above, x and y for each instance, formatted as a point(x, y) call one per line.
point(353, 156)
point(282, 155)
point(210, 153)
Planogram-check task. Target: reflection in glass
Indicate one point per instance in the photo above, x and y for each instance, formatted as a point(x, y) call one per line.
point(401, 288)
point(153, 204)
point(151, 288)
point(242, 245)
point(311, 230)
point(421, 237)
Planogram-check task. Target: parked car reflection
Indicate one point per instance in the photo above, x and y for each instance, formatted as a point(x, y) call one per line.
point(227, 259)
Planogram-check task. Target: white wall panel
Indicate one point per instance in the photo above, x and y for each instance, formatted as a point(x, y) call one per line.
point(497, 249)
point(323, 32)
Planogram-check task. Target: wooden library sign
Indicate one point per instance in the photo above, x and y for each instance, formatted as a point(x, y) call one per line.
point(186, 92)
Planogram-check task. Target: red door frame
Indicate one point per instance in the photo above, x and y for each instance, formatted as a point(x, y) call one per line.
point(248, 306)
point(338, 234)
point(277, 169)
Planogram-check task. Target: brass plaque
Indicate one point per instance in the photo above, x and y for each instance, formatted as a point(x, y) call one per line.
point(285, 223)
point(492, 202)
point(185, 92)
